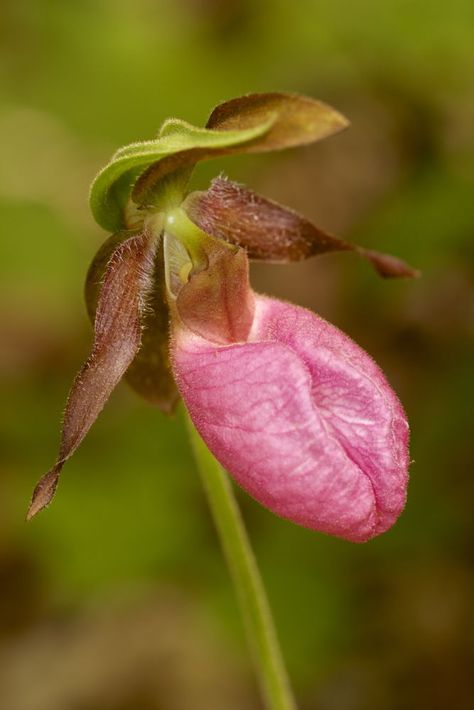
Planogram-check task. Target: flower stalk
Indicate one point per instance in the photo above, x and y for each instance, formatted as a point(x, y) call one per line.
point(269, 664)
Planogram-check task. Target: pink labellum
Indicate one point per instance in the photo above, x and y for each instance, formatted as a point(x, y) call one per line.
point(217, 302)
point(302, 418)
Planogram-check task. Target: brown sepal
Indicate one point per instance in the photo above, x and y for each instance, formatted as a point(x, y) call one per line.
point(126, 283)
point(150, 373)
point(298, 120)
point(271, 232)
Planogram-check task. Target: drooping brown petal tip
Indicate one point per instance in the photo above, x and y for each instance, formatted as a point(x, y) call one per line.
point(388, 266)
point(44, 491)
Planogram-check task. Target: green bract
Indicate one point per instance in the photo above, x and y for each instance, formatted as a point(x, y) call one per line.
point(253, 123)
point(111, 188)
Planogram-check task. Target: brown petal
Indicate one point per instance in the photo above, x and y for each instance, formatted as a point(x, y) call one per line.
point(126, 283)
point(271, 232)
point(150, 372)
point(97, 269)
point(298, 120)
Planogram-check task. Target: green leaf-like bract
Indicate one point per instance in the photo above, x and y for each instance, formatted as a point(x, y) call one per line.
point(248, 124)
point(112, 186)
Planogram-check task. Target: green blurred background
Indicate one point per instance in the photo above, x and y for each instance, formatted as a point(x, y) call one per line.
point(117, 597)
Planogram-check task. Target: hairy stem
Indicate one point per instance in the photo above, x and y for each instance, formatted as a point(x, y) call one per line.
point(253, 600)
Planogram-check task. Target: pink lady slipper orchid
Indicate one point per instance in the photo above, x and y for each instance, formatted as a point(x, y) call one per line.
point(300, 416)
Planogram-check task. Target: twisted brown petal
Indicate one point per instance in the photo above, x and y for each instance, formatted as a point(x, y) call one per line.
point(126, 284)
point(271, 232)
point(150, 372)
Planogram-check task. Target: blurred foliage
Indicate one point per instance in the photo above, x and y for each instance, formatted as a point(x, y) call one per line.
point(117, 596)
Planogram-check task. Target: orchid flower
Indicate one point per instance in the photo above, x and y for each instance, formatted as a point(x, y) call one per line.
point(299, 415)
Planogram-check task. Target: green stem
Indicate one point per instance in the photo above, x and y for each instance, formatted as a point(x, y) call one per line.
point(271, 670)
